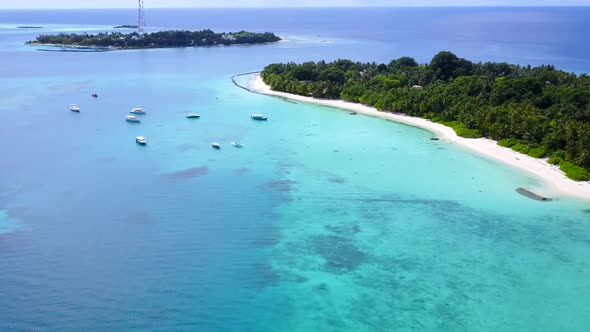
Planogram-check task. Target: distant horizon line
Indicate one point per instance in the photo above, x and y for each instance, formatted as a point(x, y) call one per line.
point(303, 7)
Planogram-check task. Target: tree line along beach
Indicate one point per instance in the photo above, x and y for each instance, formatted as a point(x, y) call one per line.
point(159, 39)
point(533, 118)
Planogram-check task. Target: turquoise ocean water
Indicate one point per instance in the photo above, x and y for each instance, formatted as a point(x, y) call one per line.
point(323, 222)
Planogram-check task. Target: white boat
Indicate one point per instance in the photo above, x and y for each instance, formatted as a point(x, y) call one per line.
point(137, 110)
point(237, 144)
point(74, 108)
point(216, 146)
point(193, 116)
point(259, 117)
point(132, 118)
point(141, 140)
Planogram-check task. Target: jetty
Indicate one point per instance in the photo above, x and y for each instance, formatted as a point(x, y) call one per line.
point(66, 48)
point(528, 193)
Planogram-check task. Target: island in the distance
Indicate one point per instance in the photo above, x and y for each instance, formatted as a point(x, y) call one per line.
point(126, 26)
point(538, 111)
point(28, 27)
point(160, 39)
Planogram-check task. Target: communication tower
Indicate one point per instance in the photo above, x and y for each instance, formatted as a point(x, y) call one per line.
point(140, 17)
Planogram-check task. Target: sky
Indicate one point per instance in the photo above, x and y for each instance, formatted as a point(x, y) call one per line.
point(46, 4)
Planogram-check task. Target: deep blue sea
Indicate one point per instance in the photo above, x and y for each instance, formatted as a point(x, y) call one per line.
point(322, 222)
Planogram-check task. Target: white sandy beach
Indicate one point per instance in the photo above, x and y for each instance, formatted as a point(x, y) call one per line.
point(556, 183)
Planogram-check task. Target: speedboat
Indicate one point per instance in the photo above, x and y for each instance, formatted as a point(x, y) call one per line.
point(137, 110)
point(141, 140)
point(237, 144)
point(259, 117)
point(216, 146)
point(193, 116)
point(94, 95)
point(132, 118)
point(74, 108)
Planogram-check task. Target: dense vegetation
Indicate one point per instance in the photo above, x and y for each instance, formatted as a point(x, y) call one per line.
point(157, 39)
point(539, 111)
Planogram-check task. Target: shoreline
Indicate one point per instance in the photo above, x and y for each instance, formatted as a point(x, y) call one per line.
point(116, 48)
point(555, 183)
point(72, 48)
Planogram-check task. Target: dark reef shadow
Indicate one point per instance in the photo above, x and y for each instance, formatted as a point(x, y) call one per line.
point(337, 180)
point(188, 173)
point(340, 254)
point(241, 171)
point(283, 186)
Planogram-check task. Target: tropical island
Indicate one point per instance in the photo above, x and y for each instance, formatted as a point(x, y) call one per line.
point(537, 111)
point(126, 26)
point(160, 39)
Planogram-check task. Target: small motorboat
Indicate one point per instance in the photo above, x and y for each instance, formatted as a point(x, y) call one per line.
point(74, 108)
point(216, 146)
point(237, 144)
point(94, 95)
point(193, 116)
point(137, 110)
point(141, 140)
point(132, 118)
point(259, 117)
point(353, 113)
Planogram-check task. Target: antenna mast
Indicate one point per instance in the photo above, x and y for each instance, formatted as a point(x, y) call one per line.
point(140, 17)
